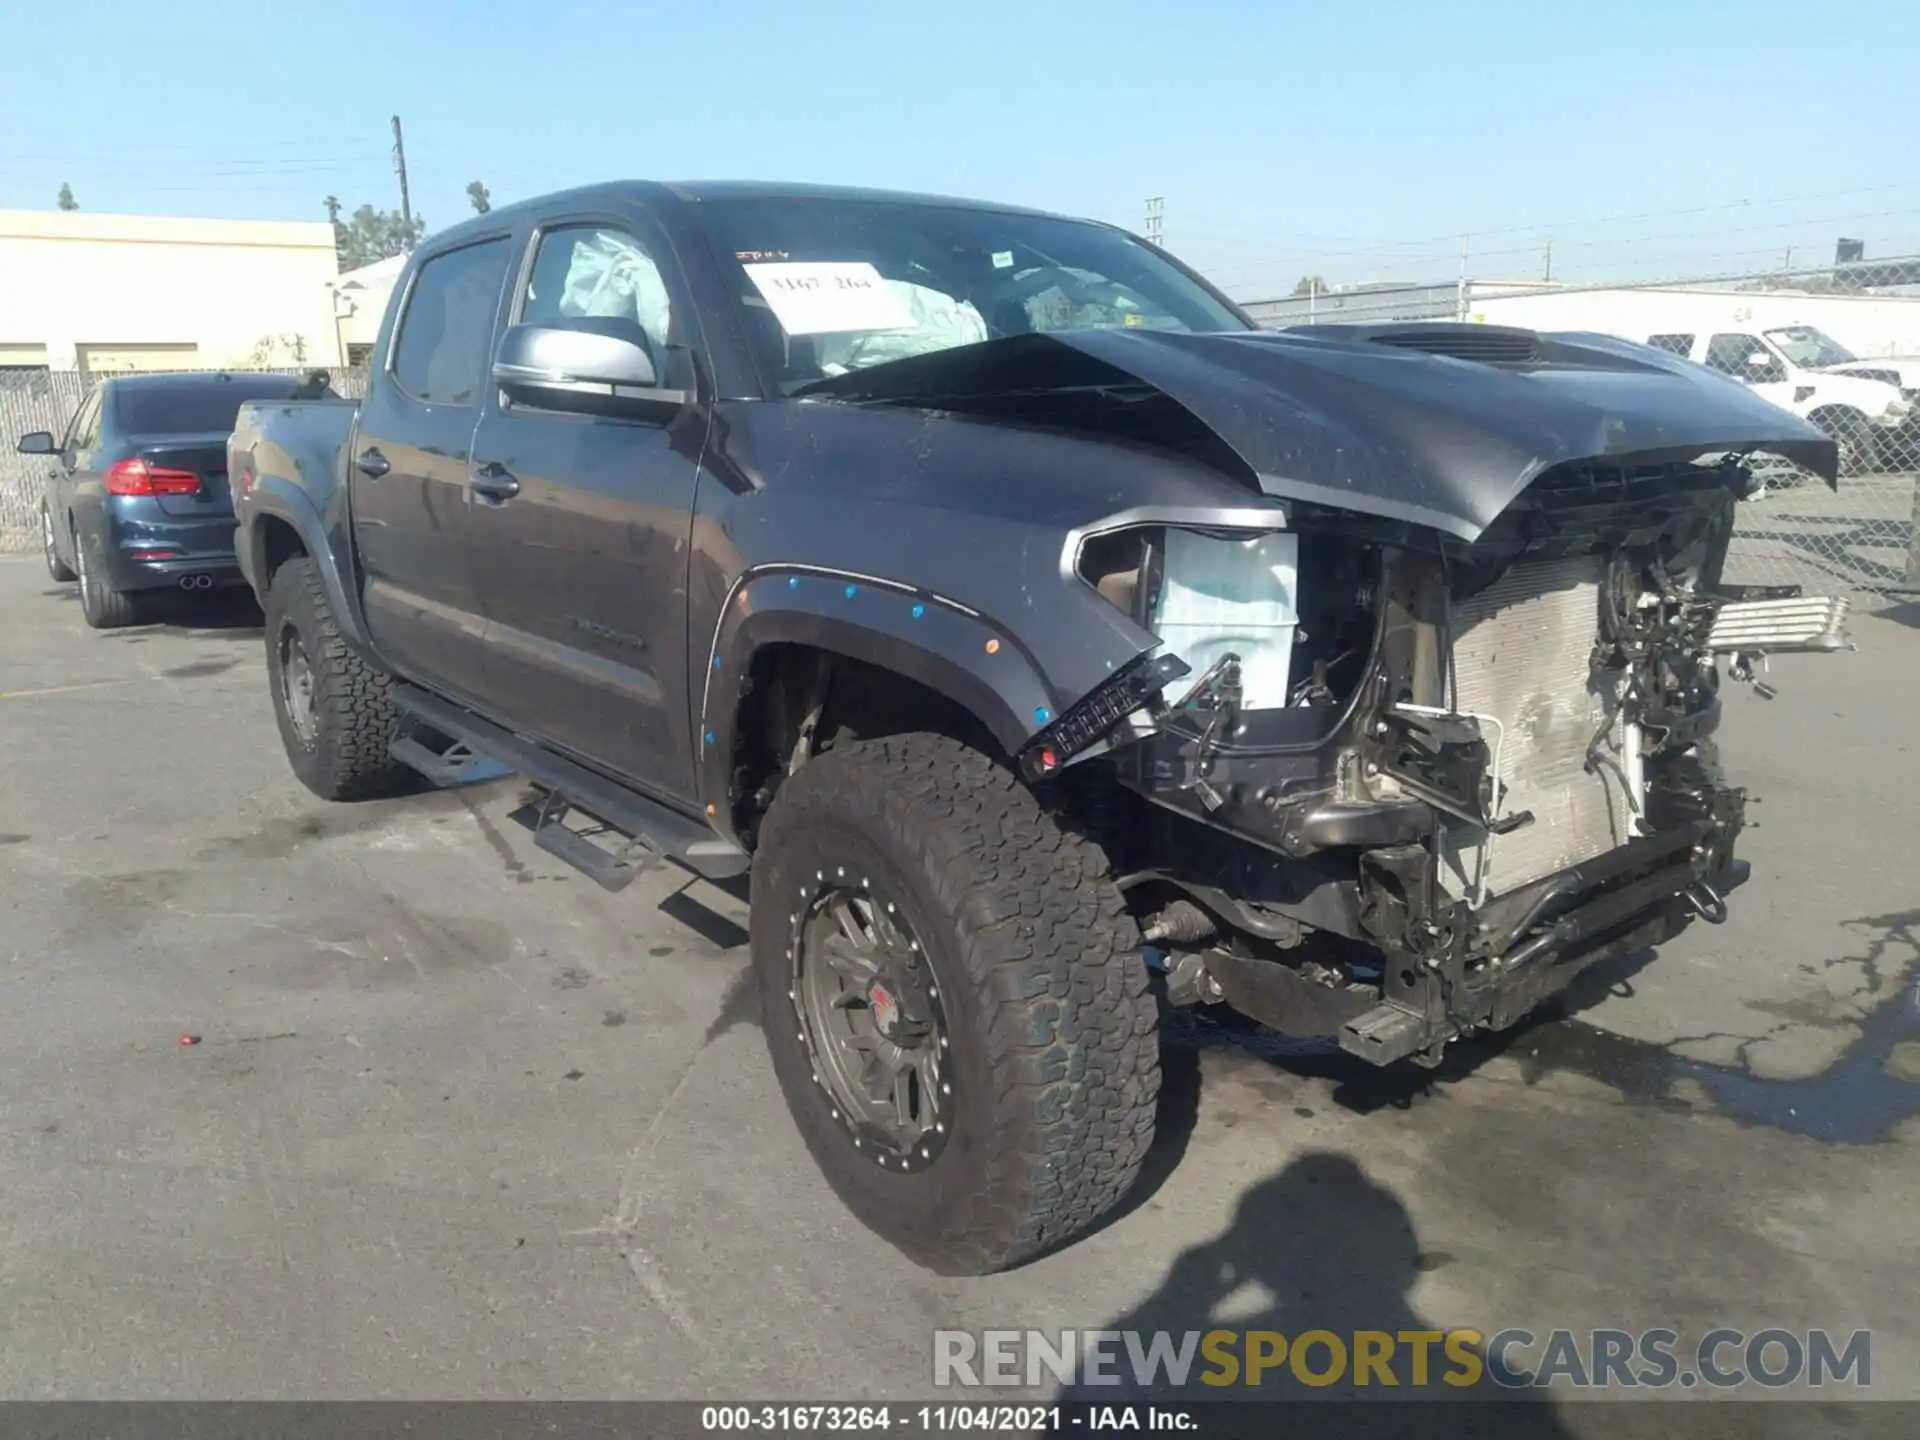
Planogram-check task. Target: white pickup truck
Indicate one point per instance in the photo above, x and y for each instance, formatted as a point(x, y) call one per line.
point(1867, 406)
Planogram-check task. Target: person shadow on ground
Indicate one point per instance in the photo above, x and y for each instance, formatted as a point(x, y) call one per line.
point(1318, 1246)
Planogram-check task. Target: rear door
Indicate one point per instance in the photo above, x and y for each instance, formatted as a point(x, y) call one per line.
point(583, 571)
point(407, 473)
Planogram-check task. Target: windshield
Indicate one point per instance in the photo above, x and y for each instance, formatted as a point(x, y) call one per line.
point(1808, 347)
point(831, 286)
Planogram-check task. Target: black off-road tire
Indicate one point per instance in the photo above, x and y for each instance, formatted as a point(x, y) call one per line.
point(102, 607)
point(352, 710)
point(1054, 1060)
point(56, 567)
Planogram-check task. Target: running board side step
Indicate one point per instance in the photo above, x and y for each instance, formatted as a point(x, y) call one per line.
point(458, 764)
point(650, 831)
point(610, 869)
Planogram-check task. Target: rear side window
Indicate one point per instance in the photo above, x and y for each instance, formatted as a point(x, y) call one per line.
point(84, 420)
point(440, 354)
point(1681, 345)
point(204, 407)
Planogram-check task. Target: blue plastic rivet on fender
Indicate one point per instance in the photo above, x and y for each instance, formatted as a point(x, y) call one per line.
point(711, 737)
point(852, 590)
point(918, 611)
point(1041, 714)
point(793, 582)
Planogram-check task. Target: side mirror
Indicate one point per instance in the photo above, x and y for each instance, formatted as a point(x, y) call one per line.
point(594, 365)
point(38, 442)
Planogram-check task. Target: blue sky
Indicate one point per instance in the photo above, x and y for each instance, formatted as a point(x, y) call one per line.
point(1358, 140)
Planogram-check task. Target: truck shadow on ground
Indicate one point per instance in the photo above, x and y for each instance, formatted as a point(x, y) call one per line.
point(1320, 1246)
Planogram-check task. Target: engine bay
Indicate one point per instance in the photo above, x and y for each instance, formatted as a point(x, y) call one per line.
point(1486, 765)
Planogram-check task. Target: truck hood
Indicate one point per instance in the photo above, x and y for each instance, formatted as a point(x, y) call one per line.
point(1438, 425)
point(1901, 370)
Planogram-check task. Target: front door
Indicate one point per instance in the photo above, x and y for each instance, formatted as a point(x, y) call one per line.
point(583, 569)
point(408, 471)
point(1749, 359)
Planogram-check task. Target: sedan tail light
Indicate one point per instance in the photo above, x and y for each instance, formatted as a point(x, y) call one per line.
point(137, 477)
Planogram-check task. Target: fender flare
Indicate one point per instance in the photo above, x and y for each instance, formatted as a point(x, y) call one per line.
point(277, 497)
point(970, 658)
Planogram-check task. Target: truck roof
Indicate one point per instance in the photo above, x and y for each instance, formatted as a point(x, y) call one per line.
point(698, 190)
point(695, 191)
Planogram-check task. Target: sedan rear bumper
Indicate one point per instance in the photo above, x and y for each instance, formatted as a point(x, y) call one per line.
point(149, 553)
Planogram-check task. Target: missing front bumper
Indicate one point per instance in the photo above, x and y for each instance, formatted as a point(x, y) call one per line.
point(1537, 941)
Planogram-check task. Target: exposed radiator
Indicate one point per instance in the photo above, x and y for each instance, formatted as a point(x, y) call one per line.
point(1521, 653)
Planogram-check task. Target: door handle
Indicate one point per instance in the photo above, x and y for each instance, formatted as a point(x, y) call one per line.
point(372, 463)
point(493, 481)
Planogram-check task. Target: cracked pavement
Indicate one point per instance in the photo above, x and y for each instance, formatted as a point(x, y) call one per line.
point(460, 1124)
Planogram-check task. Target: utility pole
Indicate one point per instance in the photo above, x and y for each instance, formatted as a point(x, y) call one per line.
point(1460, 301)
point(1549, 275)
point(400, 168)
point(1154, 209)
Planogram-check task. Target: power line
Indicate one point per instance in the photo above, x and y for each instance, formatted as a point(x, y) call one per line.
point(1288, 260)
point(1354, 243)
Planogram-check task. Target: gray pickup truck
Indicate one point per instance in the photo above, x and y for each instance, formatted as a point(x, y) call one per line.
point(1047, 642)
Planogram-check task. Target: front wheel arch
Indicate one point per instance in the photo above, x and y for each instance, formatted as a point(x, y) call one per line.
point(975, 667)
point(1849, 429)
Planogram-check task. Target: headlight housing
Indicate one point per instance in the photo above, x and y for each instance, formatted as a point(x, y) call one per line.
point(1206, 594)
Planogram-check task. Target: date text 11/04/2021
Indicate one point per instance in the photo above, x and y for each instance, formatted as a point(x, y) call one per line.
point(936, 1419)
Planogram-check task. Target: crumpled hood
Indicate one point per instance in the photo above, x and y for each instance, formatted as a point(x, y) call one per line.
point(1358, 418)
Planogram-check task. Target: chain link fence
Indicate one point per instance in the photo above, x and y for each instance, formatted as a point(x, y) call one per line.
point(37, 399)
point(1837, 345)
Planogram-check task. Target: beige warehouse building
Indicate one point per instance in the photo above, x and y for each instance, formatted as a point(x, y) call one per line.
point(107, 293)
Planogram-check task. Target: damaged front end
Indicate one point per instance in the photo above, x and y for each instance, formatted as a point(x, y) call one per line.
point(1395, 785)
point(1432, 730)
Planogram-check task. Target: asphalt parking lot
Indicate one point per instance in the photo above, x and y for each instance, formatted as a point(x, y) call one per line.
point(460, 1124)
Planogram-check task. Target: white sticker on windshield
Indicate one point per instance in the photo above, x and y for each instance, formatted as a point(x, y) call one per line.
point(1003, 259)
point(828, 297)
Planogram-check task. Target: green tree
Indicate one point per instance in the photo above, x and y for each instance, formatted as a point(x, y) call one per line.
point(480, 196)
point(66, 201)
point(1308, 286)
point(369, 234)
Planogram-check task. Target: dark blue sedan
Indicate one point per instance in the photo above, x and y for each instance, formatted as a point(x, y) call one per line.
point(136, 497)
